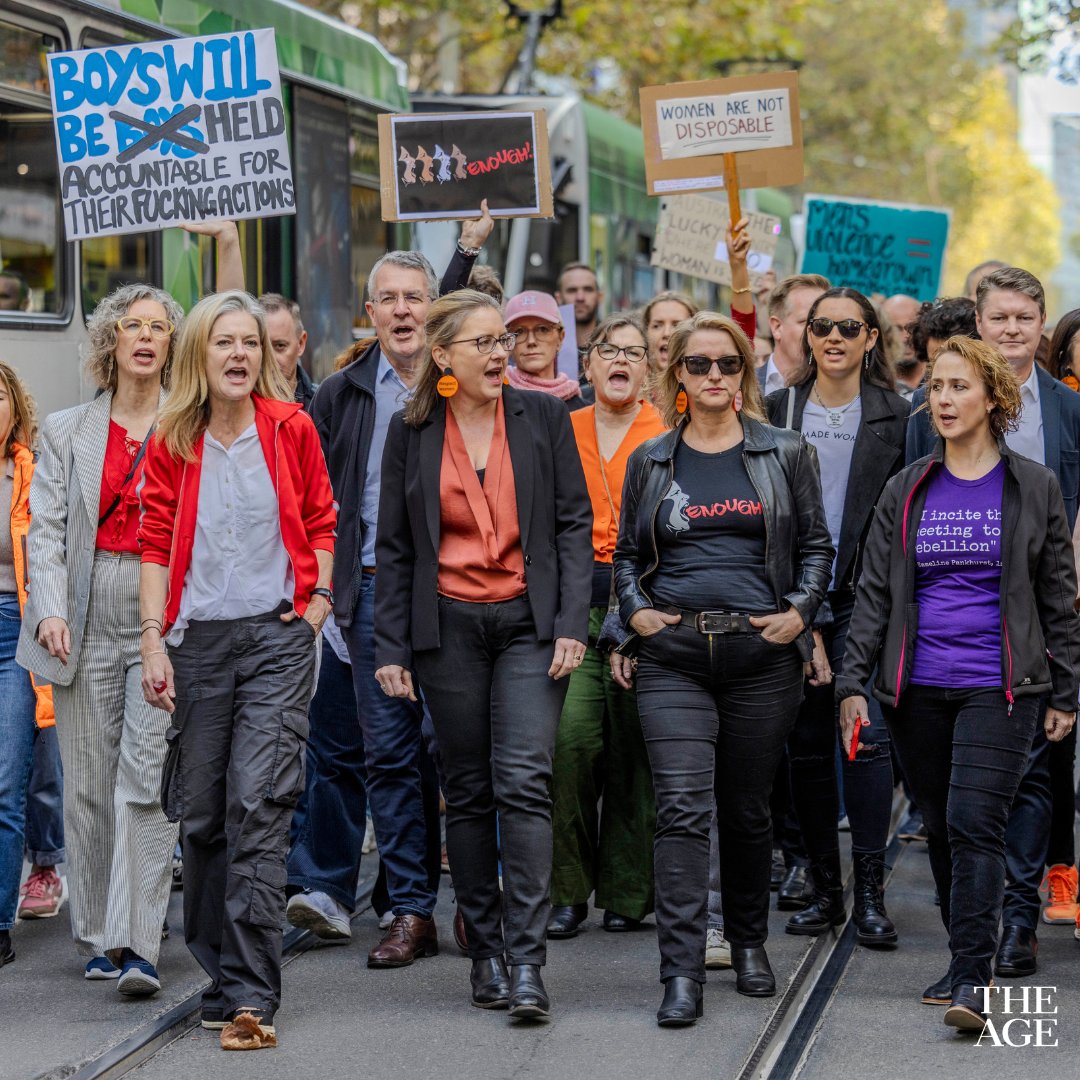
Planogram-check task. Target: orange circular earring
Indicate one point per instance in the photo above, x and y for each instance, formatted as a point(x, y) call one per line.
point(682, 402)
point(447, 386)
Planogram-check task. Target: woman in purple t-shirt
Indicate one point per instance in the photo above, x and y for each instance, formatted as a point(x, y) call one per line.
point(966, 607)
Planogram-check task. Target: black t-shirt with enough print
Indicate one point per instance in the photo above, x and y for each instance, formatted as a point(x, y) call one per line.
point(710, 531)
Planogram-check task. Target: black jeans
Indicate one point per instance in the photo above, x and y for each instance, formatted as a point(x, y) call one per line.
point(715, 710)
point(963, 755)
point(242, 692)
point(496, 711)
point(868, 780)
point(1027, 836)
point(1062, 847)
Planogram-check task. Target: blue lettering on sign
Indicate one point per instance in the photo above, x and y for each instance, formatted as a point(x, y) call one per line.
point(181, 75)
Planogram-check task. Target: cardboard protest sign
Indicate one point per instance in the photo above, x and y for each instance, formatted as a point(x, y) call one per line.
point(690, 126)
point(163, 132)
point(440, 165)
point(690, 239)
point(876, 247)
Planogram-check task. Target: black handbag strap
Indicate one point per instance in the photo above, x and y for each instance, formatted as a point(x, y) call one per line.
point(127, 479)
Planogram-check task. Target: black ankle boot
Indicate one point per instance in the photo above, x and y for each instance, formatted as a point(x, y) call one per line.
point(874, 928)
point(826, 909)
point(682, 1002)
point(753, 975)
point(490, 983)
point(528, 998)
point(7, 953)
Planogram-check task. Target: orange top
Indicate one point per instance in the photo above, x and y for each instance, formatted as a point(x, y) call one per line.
point(480, 556)
point(605, 529)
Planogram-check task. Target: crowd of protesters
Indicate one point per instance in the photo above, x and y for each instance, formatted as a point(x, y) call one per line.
point(646, 631)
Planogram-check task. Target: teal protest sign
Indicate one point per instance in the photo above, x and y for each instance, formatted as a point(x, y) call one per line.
point(876, 247)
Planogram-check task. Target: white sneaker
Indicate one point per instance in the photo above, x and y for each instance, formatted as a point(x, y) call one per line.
point(717, 950)
point(386, 919)
point(369, 844)
point(321, 914)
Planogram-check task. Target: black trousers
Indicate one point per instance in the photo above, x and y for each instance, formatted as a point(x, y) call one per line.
point(1062, 848)
point(716, 710)
point(242, 692)
point(963, 755)
point(496, 713)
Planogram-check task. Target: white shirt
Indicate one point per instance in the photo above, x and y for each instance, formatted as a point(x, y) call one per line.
point(834, 446)
point(239, 565)
point(1028, 438)
point(773, 379)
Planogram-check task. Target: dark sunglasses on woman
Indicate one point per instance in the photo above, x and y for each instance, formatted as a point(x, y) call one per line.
point(702, 365)
point(849, 328)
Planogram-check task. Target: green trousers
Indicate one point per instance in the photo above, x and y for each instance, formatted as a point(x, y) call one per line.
point(603, 813)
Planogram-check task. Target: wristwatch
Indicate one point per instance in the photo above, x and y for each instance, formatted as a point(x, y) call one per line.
point(324, 592)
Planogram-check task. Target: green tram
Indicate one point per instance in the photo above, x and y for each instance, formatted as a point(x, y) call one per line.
point(336, 81)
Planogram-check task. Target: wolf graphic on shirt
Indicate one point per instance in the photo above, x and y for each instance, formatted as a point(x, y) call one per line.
point(677, 518)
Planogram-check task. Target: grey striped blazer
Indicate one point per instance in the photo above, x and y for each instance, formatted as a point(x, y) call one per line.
point(64, 497)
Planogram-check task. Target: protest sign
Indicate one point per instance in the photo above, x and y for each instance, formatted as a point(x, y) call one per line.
point(689, 127)
point(163, 132)
point(876, 247)
point(440, 165)
point(690, 239)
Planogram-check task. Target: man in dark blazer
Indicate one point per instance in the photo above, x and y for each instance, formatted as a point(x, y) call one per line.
point(1011, 314)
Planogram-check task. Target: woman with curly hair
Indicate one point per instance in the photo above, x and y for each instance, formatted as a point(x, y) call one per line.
point(81, 631)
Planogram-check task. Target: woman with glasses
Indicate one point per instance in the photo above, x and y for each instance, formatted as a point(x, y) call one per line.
point(482, 592)
point(534, 320)
point(599, 753)
point(846, 409)
point(722, 559)
point(80, 631)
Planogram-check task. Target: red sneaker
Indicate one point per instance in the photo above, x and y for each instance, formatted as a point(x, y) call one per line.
point(43, 895)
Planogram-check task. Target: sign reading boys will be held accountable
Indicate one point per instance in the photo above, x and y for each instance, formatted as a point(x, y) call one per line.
point(164, 132)
point(876, 247)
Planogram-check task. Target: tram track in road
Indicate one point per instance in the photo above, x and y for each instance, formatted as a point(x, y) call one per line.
point(141, 1046)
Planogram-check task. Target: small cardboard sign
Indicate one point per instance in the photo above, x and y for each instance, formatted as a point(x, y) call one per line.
point(435, 166)
point(163, 132)
point(688, 127)
point(690, 239)
point(876, 247)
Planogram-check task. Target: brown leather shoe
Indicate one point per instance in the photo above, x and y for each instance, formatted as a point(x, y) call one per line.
point(409, 938)
point(460, 937)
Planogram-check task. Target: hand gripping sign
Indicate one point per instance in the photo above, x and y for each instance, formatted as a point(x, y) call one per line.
point(163, 132)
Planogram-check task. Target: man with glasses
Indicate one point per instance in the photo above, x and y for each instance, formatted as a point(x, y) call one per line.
point(533, 318)
point(352, 410)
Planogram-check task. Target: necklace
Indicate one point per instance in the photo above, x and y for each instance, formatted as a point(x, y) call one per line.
point(834, 417)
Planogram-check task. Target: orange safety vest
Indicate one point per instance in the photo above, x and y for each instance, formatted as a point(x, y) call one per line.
point(20, 526)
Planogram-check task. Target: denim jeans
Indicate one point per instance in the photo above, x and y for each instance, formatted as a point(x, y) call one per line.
point(496, 711)
point(402, 790)
point(716, 710)
point(17, 732)
point(328, 826)
point(868, 780)
point(963, 755)
point(45, 802)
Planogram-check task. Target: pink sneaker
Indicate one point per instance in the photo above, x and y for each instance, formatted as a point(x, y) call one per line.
point(42, 895)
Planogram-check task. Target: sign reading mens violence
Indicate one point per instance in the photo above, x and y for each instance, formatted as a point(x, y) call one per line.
point(152, 135)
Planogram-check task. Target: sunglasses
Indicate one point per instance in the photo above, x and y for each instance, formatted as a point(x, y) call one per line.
point(849, 328)
point(702, 365)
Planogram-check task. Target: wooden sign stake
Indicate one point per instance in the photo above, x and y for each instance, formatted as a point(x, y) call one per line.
point(731, 185)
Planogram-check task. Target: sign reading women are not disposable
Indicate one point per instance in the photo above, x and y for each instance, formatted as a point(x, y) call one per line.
point(164, 132)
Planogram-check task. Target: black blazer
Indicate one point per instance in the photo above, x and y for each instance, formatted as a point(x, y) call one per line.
point(554, 515)
point(878, 454)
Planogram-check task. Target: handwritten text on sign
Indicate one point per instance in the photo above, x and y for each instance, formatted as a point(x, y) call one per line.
point(724, 123)
point(159, 133)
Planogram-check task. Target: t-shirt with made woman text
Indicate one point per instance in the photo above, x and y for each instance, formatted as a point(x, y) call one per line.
point(958, 582)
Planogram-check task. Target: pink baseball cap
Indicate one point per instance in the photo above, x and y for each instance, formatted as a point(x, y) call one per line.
point(532, 305)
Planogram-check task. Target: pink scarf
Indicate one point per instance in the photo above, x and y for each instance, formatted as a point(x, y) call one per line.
point(562, 386)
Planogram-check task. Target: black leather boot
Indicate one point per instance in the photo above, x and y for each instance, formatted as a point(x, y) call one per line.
point(490, 983)
point(826, 909)
point(753, 975)
point(794, 891)
point(873, 927)
point(682, 1002)
point(528, 998)
point(565, 921)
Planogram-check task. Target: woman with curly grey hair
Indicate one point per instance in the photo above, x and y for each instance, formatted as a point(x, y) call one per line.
point(80, 630)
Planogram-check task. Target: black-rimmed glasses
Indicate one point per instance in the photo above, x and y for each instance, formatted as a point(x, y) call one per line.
point(607, 351)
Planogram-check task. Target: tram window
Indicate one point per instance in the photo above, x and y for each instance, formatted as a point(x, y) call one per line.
point(111, 261)
point(31, 239)
point(22, 57)
point(368, 245)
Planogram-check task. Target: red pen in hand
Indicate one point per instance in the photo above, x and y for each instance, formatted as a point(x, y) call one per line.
point(860, 722)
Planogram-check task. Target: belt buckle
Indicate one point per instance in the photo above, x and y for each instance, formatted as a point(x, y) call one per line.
point(714, 622)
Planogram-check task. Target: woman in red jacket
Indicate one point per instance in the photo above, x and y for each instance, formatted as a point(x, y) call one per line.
point(237, 543)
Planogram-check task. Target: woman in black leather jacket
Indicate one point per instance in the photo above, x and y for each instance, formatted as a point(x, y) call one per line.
point(722, 559)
